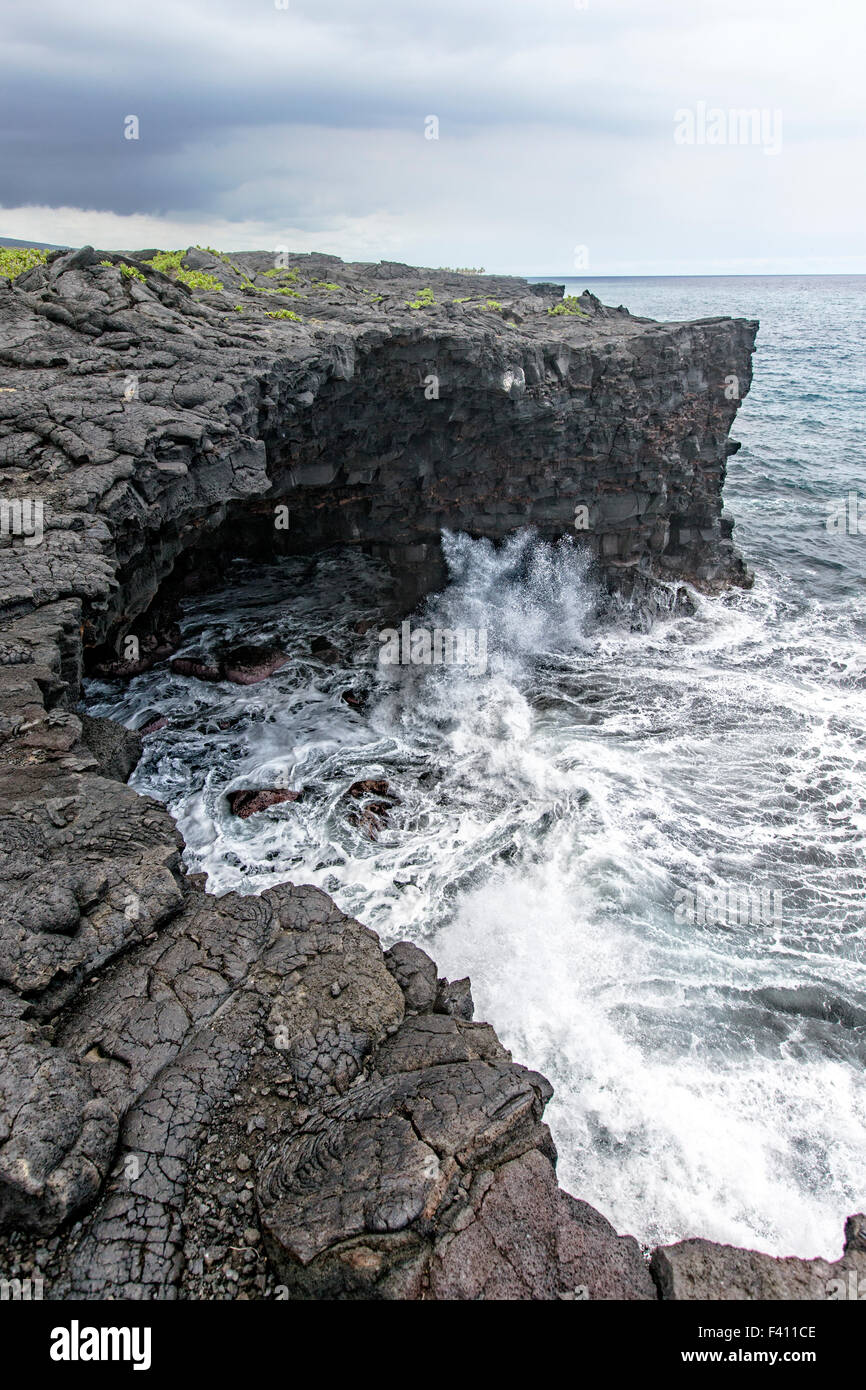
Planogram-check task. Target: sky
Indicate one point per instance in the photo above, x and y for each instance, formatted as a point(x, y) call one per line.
point(588, 137)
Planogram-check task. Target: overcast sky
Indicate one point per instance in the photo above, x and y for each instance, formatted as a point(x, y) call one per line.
point(561, 125)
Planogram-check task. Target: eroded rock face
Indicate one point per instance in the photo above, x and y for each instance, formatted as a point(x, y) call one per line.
point(391, 1154)
point(139, 420)
point(433, 1178)
point(116, 749)
point(523, 1238)
point(183, 1077)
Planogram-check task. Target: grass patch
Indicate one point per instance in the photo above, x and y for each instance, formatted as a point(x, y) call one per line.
point(14, 260)
point(326, 285)
point(283, 314)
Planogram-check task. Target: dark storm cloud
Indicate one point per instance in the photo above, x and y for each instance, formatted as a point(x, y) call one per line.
point(259, 124)
point(196, 73)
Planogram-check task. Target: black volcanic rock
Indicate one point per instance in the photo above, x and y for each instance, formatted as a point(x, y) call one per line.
point(415, 973)
point(323, 649)
point(117, 750)
point(155, 1040)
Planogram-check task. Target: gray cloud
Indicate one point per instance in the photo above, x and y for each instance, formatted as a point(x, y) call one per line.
point(556, 127)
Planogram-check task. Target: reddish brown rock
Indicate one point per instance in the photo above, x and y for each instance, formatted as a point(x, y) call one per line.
point(526, 1239)
point(700, 1270)
point(193, 666)
point(248, 665)
point(247, 803)
point(244, 665)
point(371, 786)
point(154, 726)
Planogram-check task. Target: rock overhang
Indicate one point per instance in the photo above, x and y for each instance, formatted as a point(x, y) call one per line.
point(143, 417)
point(143, 424)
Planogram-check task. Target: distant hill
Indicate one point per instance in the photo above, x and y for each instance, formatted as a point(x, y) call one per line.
point(41, 245)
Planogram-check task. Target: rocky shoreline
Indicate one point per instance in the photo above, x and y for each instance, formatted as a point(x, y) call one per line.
point(245, 1096)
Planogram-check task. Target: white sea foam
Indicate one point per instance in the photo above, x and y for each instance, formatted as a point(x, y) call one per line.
point(709, 1080)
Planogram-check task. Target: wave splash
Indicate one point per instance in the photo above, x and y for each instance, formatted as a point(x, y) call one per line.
point(708, 1076)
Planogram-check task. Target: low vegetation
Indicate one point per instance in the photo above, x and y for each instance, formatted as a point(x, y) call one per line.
point(128, 272)
point(14, 260)
point(425, 300)
point(169, 263)
point(569, 305)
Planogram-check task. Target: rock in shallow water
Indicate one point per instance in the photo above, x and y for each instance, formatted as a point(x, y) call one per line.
point(248, 803)
point(246, 665)
point(249, 664)
point(323, 649)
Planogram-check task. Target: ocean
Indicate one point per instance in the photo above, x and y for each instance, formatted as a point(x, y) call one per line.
point(643, 842)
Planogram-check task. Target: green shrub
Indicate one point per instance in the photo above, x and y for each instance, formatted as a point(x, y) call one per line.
point(198, 280)
point(169, 263)
point(14, 260)
point(266, 289)
point(288, 274)
point(569, 305)
point(128, 272)
point(425, 300)
point(283, 314)
point(325, 285)
point(166, 261)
